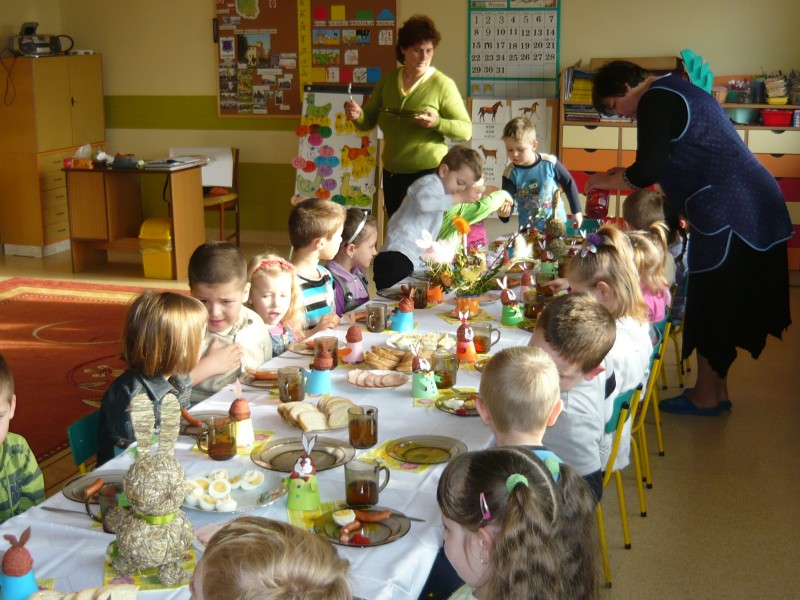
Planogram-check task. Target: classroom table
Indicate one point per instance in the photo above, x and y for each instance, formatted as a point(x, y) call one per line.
point(67, 547)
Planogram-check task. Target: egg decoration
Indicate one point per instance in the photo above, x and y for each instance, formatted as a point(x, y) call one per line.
point(219, 489)
point(252, 479)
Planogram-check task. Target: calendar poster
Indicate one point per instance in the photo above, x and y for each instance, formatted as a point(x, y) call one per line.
point(513, 48)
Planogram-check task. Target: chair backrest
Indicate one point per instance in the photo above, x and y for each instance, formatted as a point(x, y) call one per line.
point(222, 169)
point(82, 435)
point(621, 401)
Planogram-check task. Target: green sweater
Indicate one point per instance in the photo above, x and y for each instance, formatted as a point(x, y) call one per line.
point(472, 212)
point(409, 148)
point(21, 480)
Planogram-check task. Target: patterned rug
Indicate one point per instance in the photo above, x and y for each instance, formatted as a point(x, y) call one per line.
point(62, 340)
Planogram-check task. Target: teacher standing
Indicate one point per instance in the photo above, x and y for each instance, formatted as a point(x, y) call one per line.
point(416, 107)
point(738, 290)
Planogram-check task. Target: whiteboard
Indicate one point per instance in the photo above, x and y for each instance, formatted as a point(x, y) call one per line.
point(218, 171)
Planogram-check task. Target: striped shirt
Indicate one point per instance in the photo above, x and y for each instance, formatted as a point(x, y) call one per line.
point(21, 480)
point(318, 296)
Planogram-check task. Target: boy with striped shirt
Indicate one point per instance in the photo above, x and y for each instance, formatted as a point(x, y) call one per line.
point(315, 230)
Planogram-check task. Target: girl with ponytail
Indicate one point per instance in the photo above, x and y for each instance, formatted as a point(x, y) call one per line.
point(517, 528)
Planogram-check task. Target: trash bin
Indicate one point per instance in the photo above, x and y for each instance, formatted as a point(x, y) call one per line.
point(155, 244)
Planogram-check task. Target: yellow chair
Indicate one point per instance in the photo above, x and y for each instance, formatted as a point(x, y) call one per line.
point(82, 436)
point(229, 202)
point(677, 330)
point(623, 404)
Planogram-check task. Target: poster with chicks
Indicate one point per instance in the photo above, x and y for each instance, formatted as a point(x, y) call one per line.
point(334, 160)
point(268, 50)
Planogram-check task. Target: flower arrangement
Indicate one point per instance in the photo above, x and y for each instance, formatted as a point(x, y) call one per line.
point(457, 267)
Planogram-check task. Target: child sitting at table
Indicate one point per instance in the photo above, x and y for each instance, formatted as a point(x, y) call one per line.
point(162, 336)
point(276, 297)
point(254, 557)
point(24, 483)
point(315, 230)
point(513, 530)
point(350, 285)
point(649, 256)
point(236, 338)
point(577, 332)
point(519, 398)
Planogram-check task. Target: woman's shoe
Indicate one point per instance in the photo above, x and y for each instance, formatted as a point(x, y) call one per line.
point(681, 405)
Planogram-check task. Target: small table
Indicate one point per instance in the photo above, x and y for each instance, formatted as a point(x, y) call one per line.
point(105, 213)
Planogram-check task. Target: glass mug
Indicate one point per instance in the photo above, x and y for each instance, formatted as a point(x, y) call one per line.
point(291, 384)
point(362, 425)
point(107, 497)
point(531, 305)
point(420, 294)
point(329, 343)
point(218, 439)
point(483, 337)
point(376, 317)
point(445, 369)
point(362, 482)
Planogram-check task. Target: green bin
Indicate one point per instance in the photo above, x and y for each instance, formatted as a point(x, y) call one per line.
point(155, 244)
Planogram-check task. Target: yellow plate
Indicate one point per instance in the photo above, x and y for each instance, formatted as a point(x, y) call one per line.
point(778, 100)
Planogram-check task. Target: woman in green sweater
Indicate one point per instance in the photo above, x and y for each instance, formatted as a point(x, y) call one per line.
point(416, 107)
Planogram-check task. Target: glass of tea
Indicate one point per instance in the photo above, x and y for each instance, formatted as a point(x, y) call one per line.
point(531, 305)
point(291, 384)
point(362, 482)
point(362, 425)
point(445, 369)
point(485, 337)
point(420, 294)
point(218, 439)
point(376, 316)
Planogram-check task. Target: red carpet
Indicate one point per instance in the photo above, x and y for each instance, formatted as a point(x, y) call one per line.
point(62, 340)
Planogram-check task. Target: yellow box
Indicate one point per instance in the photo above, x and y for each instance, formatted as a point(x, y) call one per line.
point(155, 244)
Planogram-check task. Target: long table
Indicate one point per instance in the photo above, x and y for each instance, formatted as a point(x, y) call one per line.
point(67, 548)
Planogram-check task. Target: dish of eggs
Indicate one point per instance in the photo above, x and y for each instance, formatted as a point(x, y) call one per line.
point(225, 492)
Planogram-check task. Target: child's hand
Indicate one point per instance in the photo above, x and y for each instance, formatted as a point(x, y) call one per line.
point(505, 210)
point(329, 321)
point(577, 219)
point(224, 358)
point(556, 285)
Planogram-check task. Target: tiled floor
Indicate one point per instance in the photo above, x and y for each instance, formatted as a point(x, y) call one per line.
point(724, 513)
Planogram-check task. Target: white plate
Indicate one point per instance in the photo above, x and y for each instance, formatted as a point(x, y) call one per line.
point(428, 341)
point(379, 373)
point(270, 491)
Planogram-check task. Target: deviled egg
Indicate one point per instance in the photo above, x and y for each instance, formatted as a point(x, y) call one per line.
point(252, 479)
point(219, 488)
point(218, 474)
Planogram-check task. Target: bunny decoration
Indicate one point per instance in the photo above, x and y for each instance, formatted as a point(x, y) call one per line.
point(512, 314)
point(154, 533)
point(465, 349)
point(302, 482)
point(318, 379)
point(403, 317)
point(354, 353)
point(423, 384)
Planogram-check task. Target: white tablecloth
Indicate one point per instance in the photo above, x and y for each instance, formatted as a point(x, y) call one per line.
point(67, 548)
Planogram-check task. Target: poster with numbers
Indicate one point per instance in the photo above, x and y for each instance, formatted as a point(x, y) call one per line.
point(513, 48)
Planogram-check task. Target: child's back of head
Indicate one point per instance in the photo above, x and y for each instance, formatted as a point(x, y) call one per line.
point(216, 263)
point(6, 383)
point(254, 557)
point(540, 518)
point(650, 256)
point(314, 218)
point(605, 267)
point(520, 129)
point(460, 156)
point(519, 387)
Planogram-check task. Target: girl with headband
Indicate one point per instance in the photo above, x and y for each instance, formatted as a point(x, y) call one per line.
point(515, 528)
point(355, 255)
point(275, 295)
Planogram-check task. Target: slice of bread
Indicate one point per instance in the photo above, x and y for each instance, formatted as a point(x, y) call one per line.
point(312, 420)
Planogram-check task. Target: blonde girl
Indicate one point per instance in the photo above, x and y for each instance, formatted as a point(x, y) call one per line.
point(354, 257)
point(517, 529)
point(253, 557)
point(162, 337)
point(650, 258)
point(604, 267)
point(275, 295)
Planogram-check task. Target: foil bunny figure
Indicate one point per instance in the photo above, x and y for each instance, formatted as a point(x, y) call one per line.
point(512, 315)
point(465, 349)
point(302, 482)
point(423, 383)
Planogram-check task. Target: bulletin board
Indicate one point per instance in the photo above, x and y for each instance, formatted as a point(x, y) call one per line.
point(334, 160)
point(513, 48)
point(269, 50)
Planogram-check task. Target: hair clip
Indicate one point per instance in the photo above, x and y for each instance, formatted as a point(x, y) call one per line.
point(587, 249)
point(485, 508)
point(359, 228)
point(595, 239)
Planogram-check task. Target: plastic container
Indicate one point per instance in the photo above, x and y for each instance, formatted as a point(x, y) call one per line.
point(772, 117)
point(155, 243)
point(743, 116)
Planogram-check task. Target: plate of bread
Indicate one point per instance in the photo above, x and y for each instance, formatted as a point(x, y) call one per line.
point(392, 359)
point(432, 340)
point(376, 378)
point(328, 414)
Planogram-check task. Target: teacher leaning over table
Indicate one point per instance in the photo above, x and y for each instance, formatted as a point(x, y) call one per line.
point(416, 107)
point(738, 285)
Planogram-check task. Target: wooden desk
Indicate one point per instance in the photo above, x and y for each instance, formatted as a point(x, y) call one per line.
point(105, 213)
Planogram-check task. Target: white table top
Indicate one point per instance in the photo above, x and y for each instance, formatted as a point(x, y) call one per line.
point(67, 548)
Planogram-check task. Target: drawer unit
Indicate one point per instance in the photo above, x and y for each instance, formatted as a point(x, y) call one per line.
point(590, 137)
point(56, 233)
point(628, 138)
point(781, 165)
point(580, 159)
point(56, 214)
point(770, 141)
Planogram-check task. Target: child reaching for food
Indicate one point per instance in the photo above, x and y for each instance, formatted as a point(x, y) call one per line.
point(650, 257)
point(276, 297)
point(350, 285)
point(162, 337)
point(515, 529)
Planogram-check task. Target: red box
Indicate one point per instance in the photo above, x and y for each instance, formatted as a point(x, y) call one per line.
point(772, 117)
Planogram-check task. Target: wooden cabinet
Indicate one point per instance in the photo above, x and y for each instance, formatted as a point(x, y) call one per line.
point(53, 105)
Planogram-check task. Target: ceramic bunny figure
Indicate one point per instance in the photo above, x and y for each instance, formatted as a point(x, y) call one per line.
point(423, 384)
point(512, 314)
point(465, 349)
point(302, 482)
point(154, 533)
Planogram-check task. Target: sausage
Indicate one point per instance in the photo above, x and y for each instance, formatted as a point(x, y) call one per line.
point(190, 419)
point(93, 488)
point(346, 530)
point(372, 516)
point(263, 375)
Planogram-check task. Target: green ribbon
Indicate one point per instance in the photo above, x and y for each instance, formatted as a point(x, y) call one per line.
point(159, 520)
point(513, 480)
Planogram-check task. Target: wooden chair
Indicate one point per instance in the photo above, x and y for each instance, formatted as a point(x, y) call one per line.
point(223, 203)
point(82, 436)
